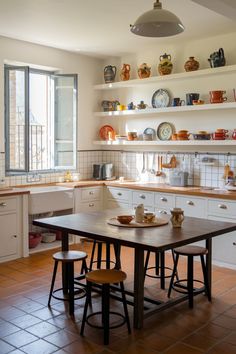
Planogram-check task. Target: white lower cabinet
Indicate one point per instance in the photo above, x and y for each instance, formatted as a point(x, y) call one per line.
point(192, 206)
point(88, 199)
point(117, 198)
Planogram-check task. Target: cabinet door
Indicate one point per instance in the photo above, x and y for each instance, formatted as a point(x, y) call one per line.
point(112, 204)
point(224, 246)
point(145, 198)
point(87, 207)
point(8, 235)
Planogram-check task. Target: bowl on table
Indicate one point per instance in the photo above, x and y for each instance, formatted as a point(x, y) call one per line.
point(125, 219)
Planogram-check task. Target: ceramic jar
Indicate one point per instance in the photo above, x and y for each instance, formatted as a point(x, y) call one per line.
point(191, 64)
point(144, 71)
point(109, 74)
point(125, 72)
point(217, 58)
point(139, 213)
point(234, 135)
point(165, 66)
point(177, 217)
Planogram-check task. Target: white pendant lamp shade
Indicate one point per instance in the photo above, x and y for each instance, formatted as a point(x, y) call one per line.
point(157, 23)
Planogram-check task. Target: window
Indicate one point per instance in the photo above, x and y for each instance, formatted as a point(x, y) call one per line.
point(40, 120)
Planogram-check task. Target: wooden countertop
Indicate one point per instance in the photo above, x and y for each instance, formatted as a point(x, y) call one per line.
point(148, 186)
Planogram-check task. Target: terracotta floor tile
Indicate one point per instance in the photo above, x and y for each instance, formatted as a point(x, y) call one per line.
point(231, 339)
point(45, 313)
point(200, 342)
point(182, 348)
point(30, 306)
point(10, 312)
point(83, 346)
point(225, 321)
point(5, 347)
point(42, 329)
point(17, 351)
point(7, 328)
point(61, 338)
point(212, 330)
point(20, 338)
point(39, 347)
point(223, 348)
point(25, 321)
point(139, 348)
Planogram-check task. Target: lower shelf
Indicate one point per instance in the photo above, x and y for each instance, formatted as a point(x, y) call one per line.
point(47, 246)
point(168, 142)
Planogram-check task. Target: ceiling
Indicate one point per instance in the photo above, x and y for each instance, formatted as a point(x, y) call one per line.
point(101, 27)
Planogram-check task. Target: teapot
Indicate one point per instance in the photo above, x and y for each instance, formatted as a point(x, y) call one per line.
point(144, 71)
point(109, 73)
point(217, 59)
point(125, 72)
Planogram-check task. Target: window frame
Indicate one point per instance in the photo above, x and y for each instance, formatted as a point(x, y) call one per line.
point(27, 70)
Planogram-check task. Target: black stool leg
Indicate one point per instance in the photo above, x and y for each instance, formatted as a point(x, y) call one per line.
point(87, 302)
point(173, 274)
point(99, 255)
point(206, 283)
point(173, 256)
point(190, 281)
point(146, 263)
point(92, 256)
point(117, 250)
point(157, 262)
point(125, 306)
point(162, 254)
point(71, 287)
point(105, 311)
point(108, 255)
point(53, 281)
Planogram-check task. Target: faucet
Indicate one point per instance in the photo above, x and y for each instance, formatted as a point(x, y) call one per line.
point(35, 177)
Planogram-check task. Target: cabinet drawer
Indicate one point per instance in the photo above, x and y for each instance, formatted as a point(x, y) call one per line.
point(146, 198)
point(113, 204)
point(7, 204)
point(192, 206)
point(166, 201)
point(90, 193)
point(162, 211)
point(222, 208)
point(95, 205)
point(119, 194)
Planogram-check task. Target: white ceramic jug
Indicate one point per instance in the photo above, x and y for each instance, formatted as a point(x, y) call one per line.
point(139, 213)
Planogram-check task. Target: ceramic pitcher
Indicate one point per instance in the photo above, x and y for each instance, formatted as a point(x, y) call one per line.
point(125, 72)
point(109, 73)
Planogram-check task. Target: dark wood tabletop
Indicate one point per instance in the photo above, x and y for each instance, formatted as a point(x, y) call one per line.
point(94, 225)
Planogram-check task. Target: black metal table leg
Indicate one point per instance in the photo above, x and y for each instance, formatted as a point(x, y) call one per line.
point(138, 287)
point(65, 247)
point(209, 264)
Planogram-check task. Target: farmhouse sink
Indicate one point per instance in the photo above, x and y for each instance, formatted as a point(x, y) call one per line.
point(44, 199)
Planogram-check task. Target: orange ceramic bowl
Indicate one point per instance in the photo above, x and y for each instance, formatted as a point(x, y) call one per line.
point(125, 219)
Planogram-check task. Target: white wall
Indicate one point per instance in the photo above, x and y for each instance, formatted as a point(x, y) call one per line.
point(88, 69)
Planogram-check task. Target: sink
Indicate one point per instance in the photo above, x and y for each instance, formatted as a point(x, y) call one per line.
point(43, 199)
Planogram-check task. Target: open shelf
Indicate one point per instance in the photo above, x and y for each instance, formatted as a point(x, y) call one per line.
point(168, 142)
point(179, 76)
point(147, 111)
point(48, 246)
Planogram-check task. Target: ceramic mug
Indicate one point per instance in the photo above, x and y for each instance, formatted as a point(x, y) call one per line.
point(177, 102)
point(217, 96)
point(190, 97)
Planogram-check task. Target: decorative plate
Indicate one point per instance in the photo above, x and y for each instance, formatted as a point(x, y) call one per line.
point(107, 132)
point(165, 130)
point(160, 98)
point(150, 131)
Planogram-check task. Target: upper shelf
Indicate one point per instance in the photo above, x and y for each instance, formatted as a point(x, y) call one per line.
point(168, 142)
point(179, 76)
point(201, 107)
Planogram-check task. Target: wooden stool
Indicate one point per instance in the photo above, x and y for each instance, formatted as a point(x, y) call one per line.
point(68, 258)
point(98, 258)
point(160, 267)
point(190, 252)
point(105, 277)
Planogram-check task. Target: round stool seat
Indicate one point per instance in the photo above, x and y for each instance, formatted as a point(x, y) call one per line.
point(69, 256)
point(106, 276)
point(191, 251)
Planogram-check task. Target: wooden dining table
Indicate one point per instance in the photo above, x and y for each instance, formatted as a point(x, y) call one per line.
point(95, 226)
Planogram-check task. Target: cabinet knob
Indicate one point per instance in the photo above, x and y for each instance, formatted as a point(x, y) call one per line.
point(162, 211)
point(222, 206)
point(163, 199)
point(14, 236)
point(3, 204)
point(190, 202)
point(142, 196)
point(119, 194)
point(91, 205)
point(91, 192)
point(234, 243)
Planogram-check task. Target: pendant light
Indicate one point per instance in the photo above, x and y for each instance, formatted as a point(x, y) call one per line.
point(157, 23)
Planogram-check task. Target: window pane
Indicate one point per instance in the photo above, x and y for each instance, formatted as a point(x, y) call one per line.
point(39, 122)
point(65, 122)
point(16, 118)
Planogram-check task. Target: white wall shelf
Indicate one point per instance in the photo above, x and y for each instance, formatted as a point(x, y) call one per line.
point(179, 76)
point(167, 143)
point(148, 111)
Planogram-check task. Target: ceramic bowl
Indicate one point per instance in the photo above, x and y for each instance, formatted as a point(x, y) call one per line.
point(34, 239)
point(149, 217)
point(48, 237)
point(125, 219)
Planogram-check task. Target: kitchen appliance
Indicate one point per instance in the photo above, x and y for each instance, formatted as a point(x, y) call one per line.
point(178, 178)
point(103, 171)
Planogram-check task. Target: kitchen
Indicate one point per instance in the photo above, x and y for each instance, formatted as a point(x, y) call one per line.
point(208, 163)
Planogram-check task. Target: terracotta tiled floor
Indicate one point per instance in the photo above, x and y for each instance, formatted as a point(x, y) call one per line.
point(27, 325)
